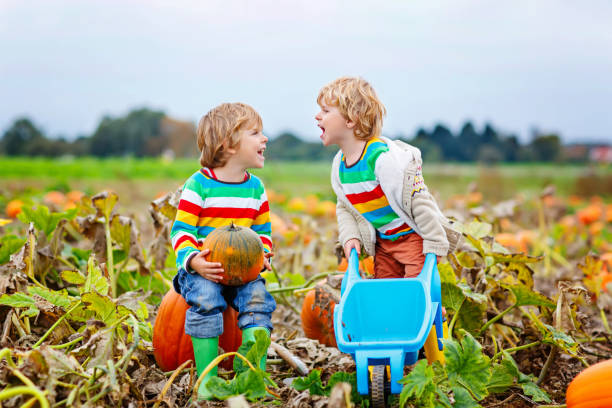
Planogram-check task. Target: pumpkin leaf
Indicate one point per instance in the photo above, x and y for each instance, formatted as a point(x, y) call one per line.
point(102, 306)
point(463, 399)
point(466, 365)
point(9, 244)
point(312, 383)
point(452, 296)
point(250, 384)
point(477, 229)
point(419, 385)
point(446, 273)
point(471, 316)
point(527, 297)
point(17, 299)
point(95, 281)
point(536, 393)
point(57, 298)
point(104, 203)
point(254, 351)
point(74, 277)
point(469, 293)
point(43, 219)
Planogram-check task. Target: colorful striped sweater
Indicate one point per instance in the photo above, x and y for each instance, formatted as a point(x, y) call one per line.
point(362, 189)
point(207, 203)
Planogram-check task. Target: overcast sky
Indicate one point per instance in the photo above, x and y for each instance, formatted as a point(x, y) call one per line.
point(518, 64)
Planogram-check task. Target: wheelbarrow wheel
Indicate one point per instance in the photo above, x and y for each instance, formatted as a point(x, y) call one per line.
point(380, 387)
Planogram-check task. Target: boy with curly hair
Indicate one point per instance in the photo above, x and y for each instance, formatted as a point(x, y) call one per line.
point(231, 141)
point(383, 204)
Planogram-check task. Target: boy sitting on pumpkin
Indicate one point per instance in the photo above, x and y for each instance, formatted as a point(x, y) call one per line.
point(231, 141)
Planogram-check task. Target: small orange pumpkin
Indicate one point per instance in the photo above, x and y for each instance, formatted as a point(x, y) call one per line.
point(240, 252)
point(318, 323)
point(13, 208)
point(172, 346)
point(592, 388)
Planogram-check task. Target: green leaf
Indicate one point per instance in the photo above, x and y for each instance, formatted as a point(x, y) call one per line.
point(95, 281)
point(17, 300)
point(536, 393)
point(250, 384)
point(121, 228)
point(253, 351)
point(74, 277)
point(463, 399)
point(469, 293)
point(43, 219)
point(57, 298)
point(311, 383)
point(81, 254)
point(9, 244)
point(102, 306)
point(466, 364)
point(452, 296)
point(478, 229)
point(220, 388)
point(525, 296)
point(447, 274)
point(419, 385)
point(471, 316)
point(502, 378)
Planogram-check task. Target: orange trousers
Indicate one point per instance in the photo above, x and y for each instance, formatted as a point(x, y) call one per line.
point(402, 258)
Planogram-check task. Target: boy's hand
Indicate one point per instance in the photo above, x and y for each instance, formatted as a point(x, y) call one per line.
point(267, 256)
point(351, 243)
point(208, 270)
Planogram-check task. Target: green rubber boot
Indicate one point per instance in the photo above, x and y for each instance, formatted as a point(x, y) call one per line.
point(205, 351)
point(249, 334)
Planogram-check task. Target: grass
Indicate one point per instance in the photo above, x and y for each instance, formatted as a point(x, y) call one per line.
point(148, 177)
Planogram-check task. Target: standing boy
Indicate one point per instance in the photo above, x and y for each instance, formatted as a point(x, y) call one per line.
point(383, 204)
point(231, 141)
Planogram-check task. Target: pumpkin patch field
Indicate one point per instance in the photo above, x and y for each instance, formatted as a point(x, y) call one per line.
point(84, 269)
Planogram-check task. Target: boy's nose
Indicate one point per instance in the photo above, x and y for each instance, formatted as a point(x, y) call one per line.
point(318, 116)
point(265, 138)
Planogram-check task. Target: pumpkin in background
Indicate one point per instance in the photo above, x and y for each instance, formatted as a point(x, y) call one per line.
point(592, 388)
point(240, 252)
point(172, 347)
point(318, 316)
point(13, 208)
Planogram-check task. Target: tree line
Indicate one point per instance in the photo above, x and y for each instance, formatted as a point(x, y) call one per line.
point(147, 133)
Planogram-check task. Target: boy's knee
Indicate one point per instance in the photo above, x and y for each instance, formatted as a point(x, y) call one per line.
point(197, 325)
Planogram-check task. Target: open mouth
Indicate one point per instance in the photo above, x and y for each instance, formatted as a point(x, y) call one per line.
point(260, 152)
point(322, 130)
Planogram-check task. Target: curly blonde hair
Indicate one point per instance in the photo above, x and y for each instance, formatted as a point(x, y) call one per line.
point(357, 101)
point(219, 130)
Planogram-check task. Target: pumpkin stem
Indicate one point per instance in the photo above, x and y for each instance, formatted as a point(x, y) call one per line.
point(233, 226)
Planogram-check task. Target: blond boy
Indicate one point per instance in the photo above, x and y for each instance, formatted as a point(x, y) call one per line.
point(383, 204)
point(231, 141)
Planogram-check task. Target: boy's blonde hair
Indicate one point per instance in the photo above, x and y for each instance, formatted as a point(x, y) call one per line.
point(357, 101)
point(218, 131)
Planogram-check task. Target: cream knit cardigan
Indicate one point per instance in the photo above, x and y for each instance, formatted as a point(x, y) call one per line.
point(395, 171)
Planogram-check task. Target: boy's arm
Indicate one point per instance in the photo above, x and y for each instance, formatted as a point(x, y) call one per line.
point(426, 215)
point(262, 225)
point(347, 225)
point(184, 231)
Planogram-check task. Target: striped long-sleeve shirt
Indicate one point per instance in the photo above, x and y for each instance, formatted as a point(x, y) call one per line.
point(363, 191)
point(207, 203)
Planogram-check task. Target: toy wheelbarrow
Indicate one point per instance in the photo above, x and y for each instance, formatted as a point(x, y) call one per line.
point(383, 323)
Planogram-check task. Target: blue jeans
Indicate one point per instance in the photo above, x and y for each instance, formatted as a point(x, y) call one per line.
point(209, 299)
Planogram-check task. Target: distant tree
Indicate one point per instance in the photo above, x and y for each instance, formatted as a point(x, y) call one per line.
point(510, 147)
point(443, 137)
point(469, 142)
point(546, 147)
point(23, 138)
point(130, 135)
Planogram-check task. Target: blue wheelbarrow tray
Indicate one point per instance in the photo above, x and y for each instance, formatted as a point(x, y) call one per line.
point(387, 321)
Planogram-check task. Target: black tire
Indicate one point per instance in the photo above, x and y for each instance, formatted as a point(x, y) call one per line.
point(379, 387)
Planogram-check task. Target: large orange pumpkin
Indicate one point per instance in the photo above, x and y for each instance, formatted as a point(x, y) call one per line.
point(240, 252)
point(592, 388)
point(317, 322)
point(172, 347)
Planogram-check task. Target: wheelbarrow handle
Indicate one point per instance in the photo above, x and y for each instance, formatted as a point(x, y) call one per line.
point(352, 271)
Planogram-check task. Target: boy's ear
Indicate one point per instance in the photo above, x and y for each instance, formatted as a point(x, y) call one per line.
point(350, 124)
